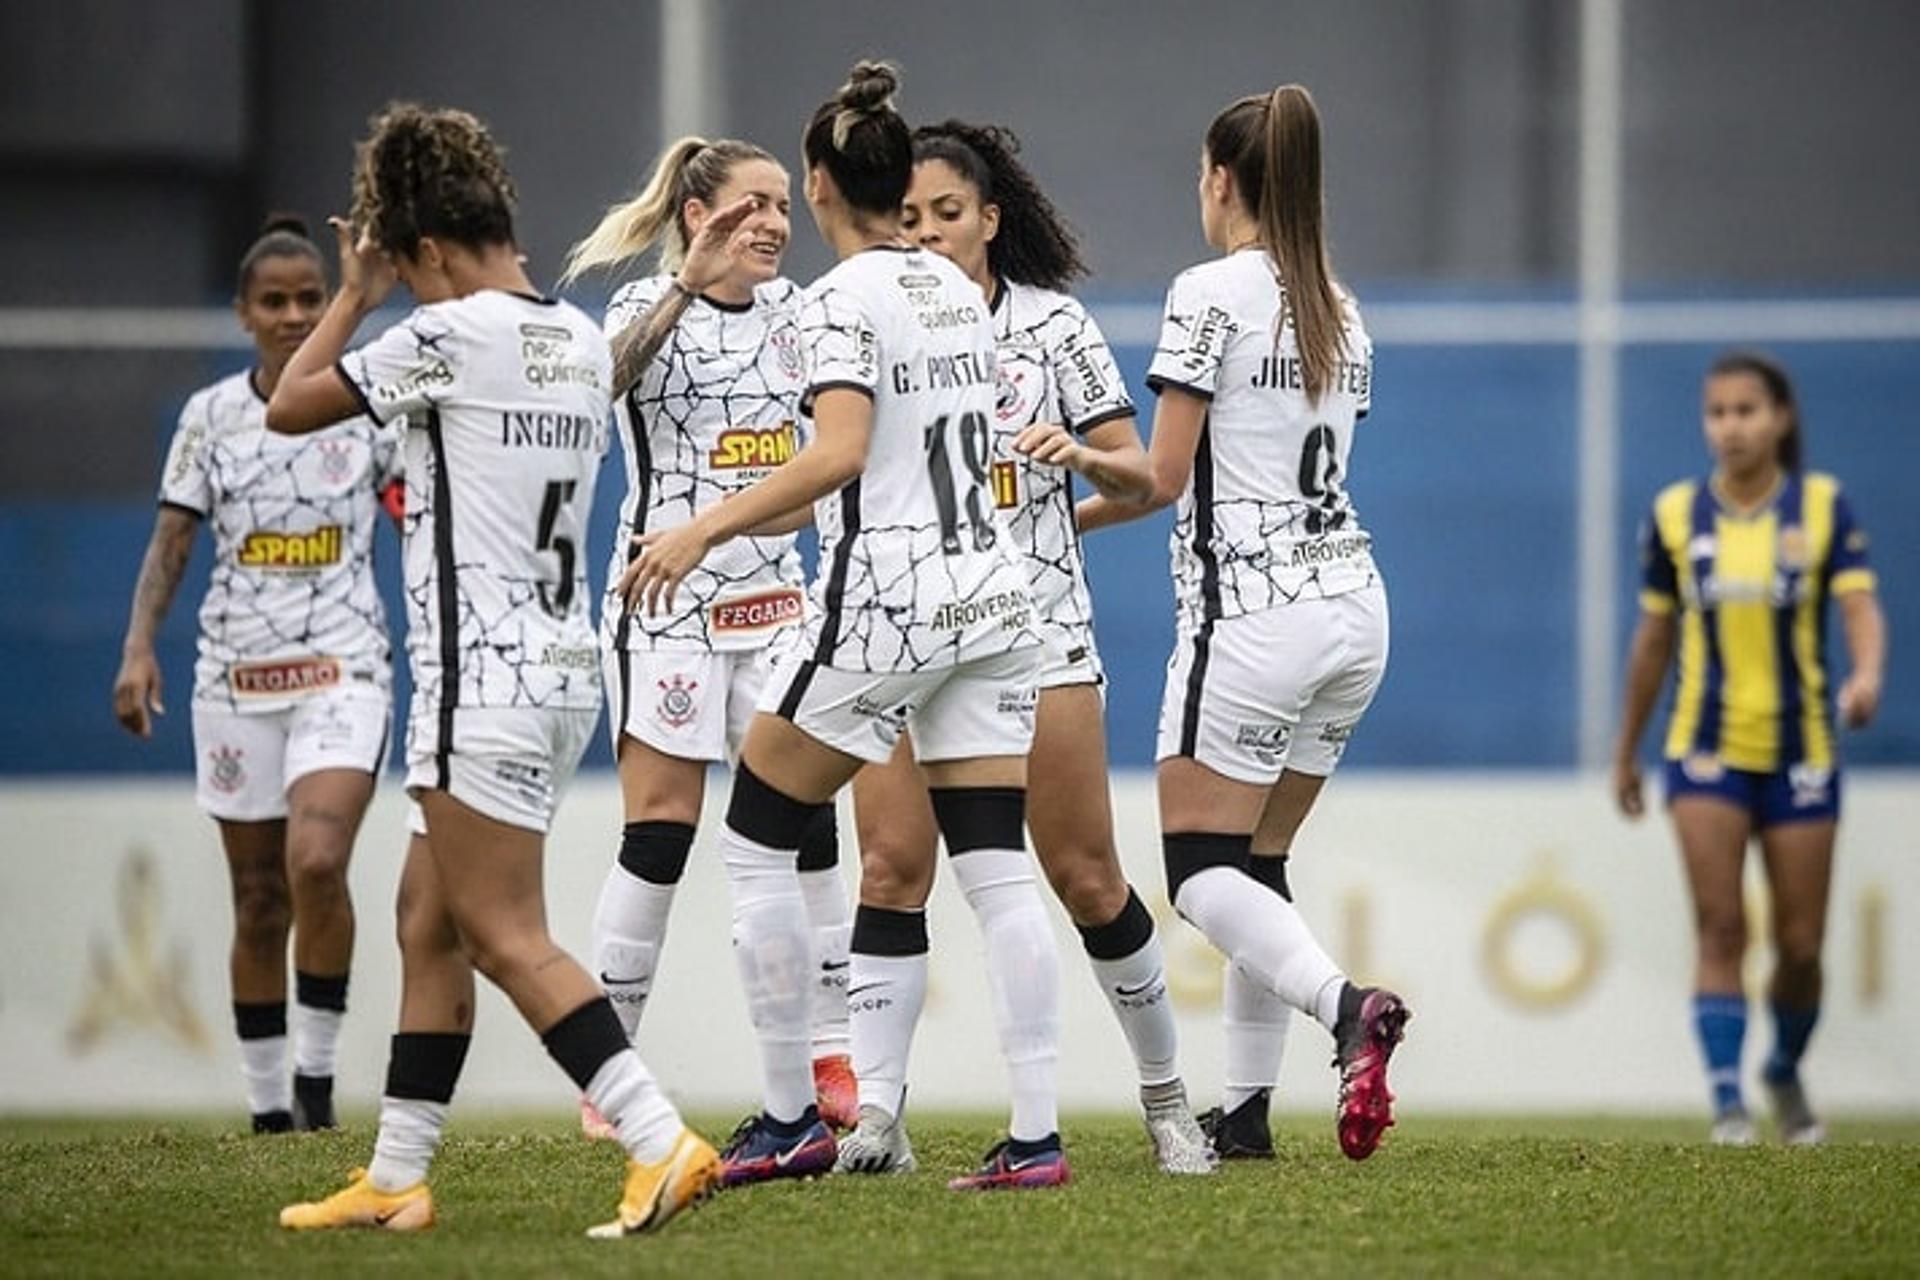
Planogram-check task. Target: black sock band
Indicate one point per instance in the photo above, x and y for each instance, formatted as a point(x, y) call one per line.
point(582, 1041)
point(1121, 936)
point(980, 817)
point(820, 842)
point(1271, 871)
point(260, 1021)
point(321, 991)
point(767, 816)
point(1187, 852)
point(656, 851)
point(425, 1065)
point(882, 931)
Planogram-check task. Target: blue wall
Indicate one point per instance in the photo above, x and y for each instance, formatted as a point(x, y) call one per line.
point(1465, 471)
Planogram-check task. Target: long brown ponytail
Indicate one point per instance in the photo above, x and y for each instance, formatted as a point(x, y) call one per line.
point(1271, 144)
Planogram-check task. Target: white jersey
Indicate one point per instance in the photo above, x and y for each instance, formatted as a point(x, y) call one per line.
point(291, 606)
point(1265, 518)
point(716, 410)
point(1054, 367)
point(507, 397)
point(915, 567)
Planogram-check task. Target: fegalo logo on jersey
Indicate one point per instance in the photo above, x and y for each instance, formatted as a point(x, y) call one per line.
point(285, 678)
point(749, 450)
point(762, 612)
point(270, 551)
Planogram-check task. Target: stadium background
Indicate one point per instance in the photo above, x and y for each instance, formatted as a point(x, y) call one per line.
point(1547, 268)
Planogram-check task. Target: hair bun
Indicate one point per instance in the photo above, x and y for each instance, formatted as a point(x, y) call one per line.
point(291, 223)
point(870, 87)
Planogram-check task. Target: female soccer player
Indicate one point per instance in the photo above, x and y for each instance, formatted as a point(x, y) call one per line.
point(292, 693)
point(706, 394)
point(1263, 368)
point(1739, 567)
point(505, 396)
point(924, 622)
point(975, 203)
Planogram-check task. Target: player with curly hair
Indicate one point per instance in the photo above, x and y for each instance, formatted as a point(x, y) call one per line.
point(505, 393)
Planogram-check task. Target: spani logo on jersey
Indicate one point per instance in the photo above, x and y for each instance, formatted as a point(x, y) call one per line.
point(754, 448)
point(273, 552)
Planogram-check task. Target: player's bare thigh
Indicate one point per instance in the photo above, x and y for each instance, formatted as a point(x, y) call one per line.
point(657, 787)
point(899, 840)
point(1069, 809)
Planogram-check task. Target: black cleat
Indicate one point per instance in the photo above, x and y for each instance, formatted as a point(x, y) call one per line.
point(313, 1102)
point(273, 1122)
point(1242, 1133)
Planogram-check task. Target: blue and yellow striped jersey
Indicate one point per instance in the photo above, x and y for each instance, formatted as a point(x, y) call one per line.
point(1752, 592)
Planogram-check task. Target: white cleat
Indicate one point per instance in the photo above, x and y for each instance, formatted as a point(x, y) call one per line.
point(1179, 1145)
point(878, 1144)
point(1733, 1128)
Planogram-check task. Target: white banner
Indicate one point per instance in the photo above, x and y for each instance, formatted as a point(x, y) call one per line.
point(1542, 943)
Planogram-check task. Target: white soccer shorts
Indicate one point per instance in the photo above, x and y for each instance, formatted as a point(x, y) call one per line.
point(691, 704)
point(981, 707)
point(245, 762)
point(1279, 689)
point(1069, 657)
point(511, 764)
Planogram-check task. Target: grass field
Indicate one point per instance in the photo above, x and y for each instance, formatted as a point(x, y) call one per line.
point(1556, 1195)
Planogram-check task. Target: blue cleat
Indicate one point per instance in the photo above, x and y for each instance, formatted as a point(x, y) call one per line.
point(757, 1153)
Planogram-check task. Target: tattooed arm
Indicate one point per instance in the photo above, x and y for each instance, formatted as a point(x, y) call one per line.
point(137, 687)
point(635, 346)
point(714, 251)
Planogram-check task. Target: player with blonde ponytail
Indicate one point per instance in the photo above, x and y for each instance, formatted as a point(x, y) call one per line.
point(706, 383)
point(1263, 370)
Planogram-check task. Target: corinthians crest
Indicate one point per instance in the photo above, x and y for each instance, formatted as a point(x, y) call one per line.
point(677, 707)
point(228, 773)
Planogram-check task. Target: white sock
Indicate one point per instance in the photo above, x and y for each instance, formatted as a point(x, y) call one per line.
point(625, 1092)
point(263, 1066)
point(409, 1134)
point(1136, 987)
point(316, 1039)
point(1023, 971)
point(885, 996)
point(830, 921)
point(770, 948)
point(1266, 936)
point(1256, 1024)
point(629, 926)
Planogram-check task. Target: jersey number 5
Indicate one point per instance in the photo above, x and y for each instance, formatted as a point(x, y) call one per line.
point(976, 445)
point(559, 494)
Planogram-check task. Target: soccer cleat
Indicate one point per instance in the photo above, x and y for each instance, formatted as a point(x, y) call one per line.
point(313, 1102)
point(837, 1091)
point(656, 1192)
point(755, 1153)
point(1242, 1133)
point(1733, 1128)
point(594, 1126)
point(361, 1204)
point(1364, 1040)
point(273, 1122)
point(1799, 1127)
point(878, 1144)
point(1002, 1170)
point(1179, 1145)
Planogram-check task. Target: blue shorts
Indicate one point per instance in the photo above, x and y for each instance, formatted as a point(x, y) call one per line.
point(1801, 793)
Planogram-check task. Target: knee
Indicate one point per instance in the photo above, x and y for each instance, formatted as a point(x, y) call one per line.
point(499, 955)
point(262, 914)
point(1797, 950)
point(890, 878)
point(420, 926)
point(317, 867)
point(1089, 885)
point(1722, 934)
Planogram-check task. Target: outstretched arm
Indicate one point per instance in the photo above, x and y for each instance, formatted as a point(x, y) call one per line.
point(1177, 423)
